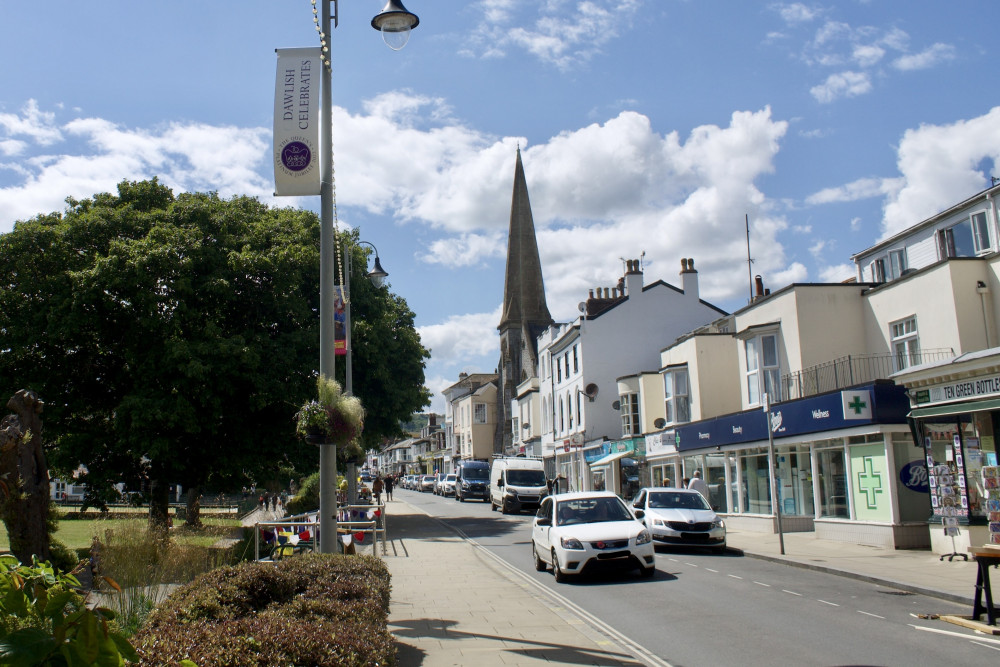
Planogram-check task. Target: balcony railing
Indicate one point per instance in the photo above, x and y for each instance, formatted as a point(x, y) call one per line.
point(852, 370)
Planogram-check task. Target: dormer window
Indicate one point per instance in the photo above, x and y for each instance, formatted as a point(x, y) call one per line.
point(968, 238)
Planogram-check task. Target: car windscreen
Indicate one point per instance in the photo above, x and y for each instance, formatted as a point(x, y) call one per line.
point(476, 473)
point(591, 510)
point(526, 478)
point(674, 500)
point(450, 478)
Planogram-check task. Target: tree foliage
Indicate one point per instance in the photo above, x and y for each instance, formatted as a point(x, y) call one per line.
point(174, 338)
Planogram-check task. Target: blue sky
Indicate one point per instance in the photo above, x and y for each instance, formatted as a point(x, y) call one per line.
point(647, 128)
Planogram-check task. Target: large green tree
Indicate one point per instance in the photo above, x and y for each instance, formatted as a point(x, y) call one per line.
point(173, 337)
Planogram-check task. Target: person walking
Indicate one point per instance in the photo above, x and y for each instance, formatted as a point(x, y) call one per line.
point(377, 487)
point(388, 487)
point(698, 484)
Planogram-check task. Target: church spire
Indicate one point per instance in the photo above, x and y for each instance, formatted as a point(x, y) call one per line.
point(524, 291)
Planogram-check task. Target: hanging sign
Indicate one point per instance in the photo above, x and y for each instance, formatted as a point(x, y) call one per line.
point(296, 122)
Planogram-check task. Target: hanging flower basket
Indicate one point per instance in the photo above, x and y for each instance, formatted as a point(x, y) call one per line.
point(335, 418)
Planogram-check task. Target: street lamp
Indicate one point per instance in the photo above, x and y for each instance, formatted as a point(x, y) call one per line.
point(395, 24)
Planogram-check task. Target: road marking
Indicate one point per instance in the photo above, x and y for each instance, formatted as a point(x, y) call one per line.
point(832, 604)
point(708, 569)
point(733, 576)
point(691, 564)
point(791, 592)
point(953, 634)
point(760, 583)
point(867, 614)
point(995, 648)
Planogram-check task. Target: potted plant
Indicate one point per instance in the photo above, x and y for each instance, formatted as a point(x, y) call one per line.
point(312, 422)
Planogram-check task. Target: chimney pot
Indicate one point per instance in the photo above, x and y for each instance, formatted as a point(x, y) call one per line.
point(684, 265)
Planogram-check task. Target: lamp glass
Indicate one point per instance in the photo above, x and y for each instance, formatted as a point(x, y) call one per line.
point(395, 37)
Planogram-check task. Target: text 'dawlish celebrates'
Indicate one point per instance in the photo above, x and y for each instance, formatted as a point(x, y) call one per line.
point(296, 122)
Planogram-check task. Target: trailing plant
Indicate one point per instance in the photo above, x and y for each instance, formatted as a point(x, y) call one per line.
point(336, 416)
point(44, 621)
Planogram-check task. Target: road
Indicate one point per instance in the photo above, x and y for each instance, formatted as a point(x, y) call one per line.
point(707, 609)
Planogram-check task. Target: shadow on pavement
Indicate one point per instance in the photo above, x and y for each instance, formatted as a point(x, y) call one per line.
point(443, 629)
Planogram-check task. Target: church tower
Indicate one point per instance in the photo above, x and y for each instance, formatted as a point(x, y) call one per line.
point(525, 314)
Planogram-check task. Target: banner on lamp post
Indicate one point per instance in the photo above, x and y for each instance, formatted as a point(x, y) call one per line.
point(339, 321)
point(296, 122)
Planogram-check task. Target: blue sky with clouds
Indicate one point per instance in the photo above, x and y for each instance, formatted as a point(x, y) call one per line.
point(647, 127)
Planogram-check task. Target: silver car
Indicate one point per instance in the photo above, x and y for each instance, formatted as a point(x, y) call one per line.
point(680, 517)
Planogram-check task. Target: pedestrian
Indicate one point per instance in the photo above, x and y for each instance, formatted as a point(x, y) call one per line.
point(698, 484)
point(389, 483)
point(377, 487)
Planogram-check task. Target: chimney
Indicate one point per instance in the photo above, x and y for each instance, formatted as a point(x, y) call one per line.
point(633, 278)
point(759, 291)
point(689, 279)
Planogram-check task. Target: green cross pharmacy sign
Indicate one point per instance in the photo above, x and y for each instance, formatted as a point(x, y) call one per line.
point(871, 481)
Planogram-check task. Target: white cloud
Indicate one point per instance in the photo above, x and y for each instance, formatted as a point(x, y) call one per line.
point(796, 12)
point(838, 273)
point(843, 84)
point(467, 249)
point(31, 124)
point(867, 55)
point(463, 336)
point(927, 58)
point(863, 188)
point(560, 33)
point(940, 165)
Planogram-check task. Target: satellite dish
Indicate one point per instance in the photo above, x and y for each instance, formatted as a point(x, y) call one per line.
point(617, 405)
point(582, 306)
point(659, 422)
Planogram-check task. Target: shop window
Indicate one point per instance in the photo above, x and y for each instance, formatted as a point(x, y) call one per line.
point(630, 414)
point(677, 402)
point(833, 484)
point(762, 373)
point(905, 342)
point(756, 483)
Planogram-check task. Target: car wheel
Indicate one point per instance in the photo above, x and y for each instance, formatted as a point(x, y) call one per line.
point(561, 576)
point(540, 565)
point(647, 572)
point(503, 507)
point(493, 506)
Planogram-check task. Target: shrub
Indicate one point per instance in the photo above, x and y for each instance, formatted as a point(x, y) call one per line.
point(315, 609)
point(307, 499)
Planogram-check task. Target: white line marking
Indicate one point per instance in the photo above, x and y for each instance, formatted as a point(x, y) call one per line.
point(760, 583)
point(733, 576)
point(952, 634)
point(691, 564)
point(832, 604)
point(791, 592)
point(708, 569)
point(867, 614)
point(995, 648)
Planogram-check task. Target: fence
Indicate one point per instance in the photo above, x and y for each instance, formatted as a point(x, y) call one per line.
point(300, 533)
point(852, 370)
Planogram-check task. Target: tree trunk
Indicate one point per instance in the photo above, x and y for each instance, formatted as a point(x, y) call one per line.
point(193, 517)
point(24, 478)
point(159, 505)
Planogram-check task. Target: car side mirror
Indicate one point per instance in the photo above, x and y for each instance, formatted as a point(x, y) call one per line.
point(543, 521)
point(639, 514)
point(500, 483)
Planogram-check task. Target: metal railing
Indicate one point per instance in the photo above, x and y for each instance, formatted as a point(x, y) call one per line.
point(852, 370)
point(286, 533)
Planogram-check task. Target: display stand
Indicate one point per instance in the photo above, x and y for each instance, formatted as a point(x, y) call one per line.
point(954, 552)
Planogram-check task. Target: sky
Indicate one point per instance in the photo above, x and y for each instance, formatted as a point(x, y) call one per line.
point(649, 129)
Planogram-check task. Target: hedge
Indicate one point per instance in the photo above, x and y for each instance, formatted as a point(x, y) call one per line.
point(314, 609)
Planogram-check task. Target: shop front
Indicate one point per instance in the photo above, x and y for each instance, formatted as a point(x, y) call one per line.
point(956, 416)
point(844, 464)
point(614, 466)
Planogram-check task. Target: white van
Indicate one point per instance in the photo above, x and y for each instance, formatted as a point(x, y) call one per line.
point(517, 483)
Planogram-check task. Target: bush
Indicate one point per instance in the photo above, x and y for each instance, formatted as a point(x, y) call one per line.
point(307, 499)
point(315, 609)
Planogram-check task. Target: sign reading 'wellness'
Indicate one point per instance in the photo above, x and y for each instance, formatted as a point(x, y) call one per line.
point(296, 122)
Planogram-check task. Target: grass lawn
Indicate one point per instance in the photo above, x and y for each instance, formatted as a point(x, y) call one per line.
point(79, 533)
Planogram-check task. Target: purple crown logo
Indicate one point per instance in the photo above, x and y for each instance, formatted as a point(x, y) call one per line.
point(296, 156)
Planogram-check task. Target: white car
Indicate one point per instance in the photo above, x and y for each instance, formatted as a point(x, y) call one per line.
point(680, 517)
point(574, 532)
point(446, 487)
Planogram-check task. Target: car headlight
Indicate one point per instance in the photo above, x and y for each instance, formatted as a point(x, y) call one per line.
point(643, 537)
point(659, 522)
point(718, 523)
point(571, 543)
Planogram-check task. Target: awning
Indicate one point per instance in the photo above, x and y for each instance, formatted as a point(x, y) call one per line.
point(609, 458)
point(955, 408)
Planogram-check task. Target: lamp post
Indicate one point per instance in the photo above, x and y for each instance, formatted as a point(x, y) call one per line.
point(377, 276)
point(395, 23)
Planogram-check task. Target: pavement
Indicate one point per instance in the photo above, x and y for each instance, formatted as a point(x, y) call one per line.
point(455, 603)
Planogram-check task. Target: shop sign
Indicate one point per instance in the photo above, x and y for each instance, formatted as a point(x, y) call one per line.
point(914, 477)
point(659, 444)
point(972, 388)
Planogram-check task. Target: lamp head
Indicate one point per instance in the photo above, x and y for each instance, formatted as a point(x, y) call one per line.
point(395, 24)
point(378, 274)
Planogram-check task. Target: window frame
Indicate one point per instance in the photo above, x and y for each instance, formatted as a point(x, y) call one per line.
point(671, 398)
point(905, 342)
point(476, 419)
point(631, 418)
point(767, 376)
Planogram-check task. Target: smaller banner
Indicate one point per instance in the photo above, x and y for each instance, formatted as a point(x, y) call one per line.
point(339, 321)
point(296, 122)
